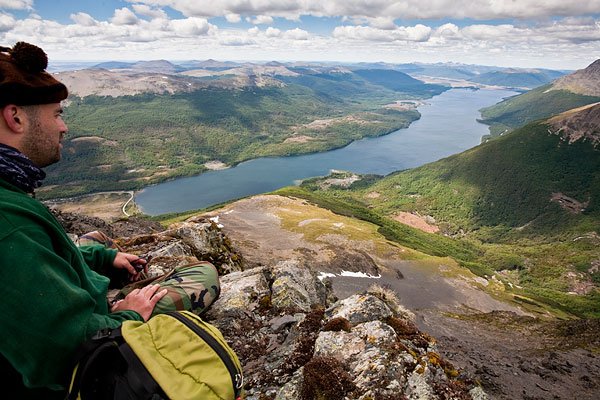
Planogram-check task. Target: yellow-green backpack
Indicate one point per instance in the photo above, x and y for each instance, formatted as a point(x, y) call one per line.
point(171, 356)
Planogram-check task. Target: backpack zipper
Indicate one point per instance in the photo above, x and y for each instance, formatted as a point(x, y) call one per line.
point(236, 375)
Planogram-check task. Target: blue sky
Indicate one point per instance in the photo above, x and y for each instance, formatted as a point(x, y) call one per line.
point(525, 33)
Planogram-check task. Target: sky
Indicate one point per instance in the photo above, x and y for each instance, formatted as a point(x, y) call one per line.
point(555, 34)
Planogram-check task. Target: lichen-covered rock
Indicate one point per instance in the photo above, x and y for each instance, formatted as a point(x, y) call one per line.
point(242, 293)
point(296, 288)
point(383, 355)
point(360, 308)
point(207, 242)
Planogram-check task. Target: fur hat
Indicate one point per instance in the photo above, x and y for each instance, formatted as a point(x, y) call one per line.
point(23, 79)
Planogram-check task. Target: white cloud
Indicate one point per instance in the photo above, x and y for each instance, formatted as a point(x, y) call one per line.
point(382, 23)
point(237, 41)
point(369, 33)
point(7, 22)
point(16, 4)
point(147, 11)
point(124, 16)
point(192, 26)
point(408, 9)
point(260, 20)
point(447, 31)
point(83, 19)
point(296, 34)
point(417, 33)
point(272, 32)
point(233, 18)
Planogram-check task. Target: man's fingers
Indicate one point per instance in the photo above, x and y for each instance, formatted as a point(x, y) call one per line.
point(159, 295)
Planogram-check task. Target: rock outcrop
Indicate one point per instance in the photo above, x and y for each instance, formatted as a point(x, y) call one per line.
point(297, 341)
point(579, 124)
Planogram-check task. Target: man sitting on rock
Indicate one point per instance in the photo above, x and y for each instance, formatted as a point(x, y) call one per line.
point(54, 294)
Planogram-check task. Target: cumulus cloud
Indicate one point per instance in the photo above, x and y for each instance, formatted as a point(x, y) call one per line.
point(192, 26)
point(124, 16)
point(369, 31)
point(16, 4)
point(382, 23)
point(448, 31)
point(272, 32)
point(237, 41)
point(7, 22)
point(417, 33)
point(260, 20)
point(408, 9)
point(83, 19)
point(147, 11)
point(296, 34)
point(233, 18)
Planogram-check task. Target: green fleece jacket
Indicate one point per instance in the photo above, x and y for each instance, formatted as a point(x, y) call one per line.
point(51, 298)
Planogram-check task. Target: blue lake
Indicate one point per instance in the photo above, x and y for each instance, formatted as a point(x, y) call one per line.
point(447, 126)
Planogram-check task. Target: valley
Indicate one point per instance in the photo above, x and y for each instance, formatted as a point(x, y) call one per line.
point(495, 248)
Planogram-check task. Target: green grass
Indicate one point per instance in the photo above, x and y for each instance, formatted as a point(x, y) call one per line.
point(540, 268)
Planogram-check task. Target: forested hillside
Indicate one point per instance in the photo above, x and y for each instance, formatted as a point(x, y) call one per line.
point(127, 142)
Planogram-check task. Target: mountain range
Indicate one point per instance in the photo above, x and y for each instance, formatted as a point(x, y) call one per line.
point(124, 78)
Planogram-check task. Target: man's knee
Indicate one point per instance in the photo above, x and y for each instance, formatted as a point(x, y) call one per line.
point(193, 287)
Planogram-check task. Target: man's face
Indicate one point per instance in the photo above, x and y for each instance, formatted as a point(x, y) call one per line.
point(44, 134)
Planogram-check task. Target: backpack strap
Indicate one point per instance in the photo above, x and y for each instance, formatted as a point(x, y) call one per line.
point(88, 353)
point(139, 380)
point(107, 355)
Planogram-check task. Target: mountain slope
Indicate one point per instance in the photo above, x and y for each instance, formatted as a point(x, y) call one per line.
point(528, 204)
point(575, 90)
point(396, 80)
point(512, 181)
point(516, 78)
point(585, 81)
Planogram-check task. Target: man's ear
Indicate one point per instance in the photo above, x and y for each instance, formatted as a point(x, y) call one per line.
point(14, 117)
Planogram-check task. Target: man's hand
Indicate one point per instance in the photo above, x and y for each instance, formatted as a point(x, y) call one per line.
point(126, 261)
point(141, 301)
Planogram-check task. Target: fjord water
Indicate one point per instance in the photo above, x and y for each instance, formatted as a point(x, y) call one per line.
point(448, 125)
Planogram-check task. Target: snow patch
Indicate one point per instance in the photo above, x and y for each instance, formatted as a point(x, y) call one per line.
point(359, 275)
point(216, 221)
point(323, 275)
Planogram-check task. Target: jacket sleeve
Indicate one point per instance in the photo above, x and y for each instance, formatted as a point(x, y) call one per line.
point(51, 303)
point(98, 257)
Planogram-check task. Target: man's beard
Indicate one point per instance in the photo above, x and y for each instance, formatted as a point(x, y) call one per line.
point(37, 145)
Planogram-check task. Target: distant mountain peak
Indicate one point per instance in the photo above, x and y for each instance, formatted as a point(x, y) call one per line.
point(584, 81)
point(582, 123)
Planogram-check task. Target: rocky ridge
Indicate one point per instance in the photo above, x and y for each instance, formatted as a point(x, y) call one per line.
point(287, 328)
point(297, 341)
point(579, 124)
point(584, 81)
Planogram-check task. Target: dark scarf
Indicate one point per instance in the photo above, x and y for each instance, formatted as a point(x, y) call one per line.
point(17, 169)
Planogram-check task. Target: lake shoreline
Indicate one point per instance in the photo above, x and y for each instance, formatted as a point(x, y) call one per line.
point(448, 125)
